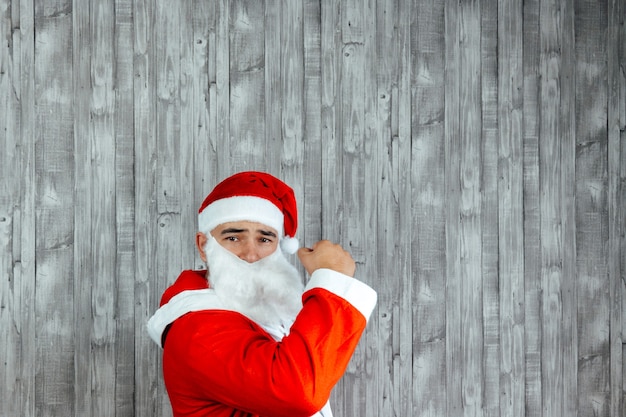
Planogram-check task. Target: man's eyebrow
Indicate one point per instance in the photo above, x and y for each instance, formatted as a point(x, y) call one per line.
point(232, 230)
point(236, 230)
point(267, 233)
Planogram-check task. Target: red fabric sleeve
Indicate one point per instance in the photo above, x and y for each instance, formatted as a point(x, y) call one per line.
point(221, 357)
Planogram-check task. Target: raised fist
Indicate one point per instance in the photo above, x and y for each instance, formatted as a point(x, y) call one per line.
point(325, 254)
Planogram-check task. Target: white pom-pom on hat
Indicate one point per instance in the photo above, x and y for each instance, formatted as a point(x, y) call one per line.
point(290, 245)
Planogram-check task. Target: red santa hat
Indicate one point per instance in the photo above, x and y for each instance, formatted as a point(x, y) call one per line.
point(256, 197)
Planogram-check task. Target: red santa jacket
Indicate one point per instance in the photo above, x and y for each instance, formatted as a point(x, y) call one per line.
point(218, 362)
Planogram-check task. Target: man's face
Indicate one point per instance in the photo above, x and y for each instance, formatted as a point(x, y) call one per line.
point(258, 280)
point(250, 241)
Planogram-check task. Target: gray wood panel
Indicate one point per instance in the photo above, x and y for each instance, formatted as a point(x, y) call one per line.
point(471, 156)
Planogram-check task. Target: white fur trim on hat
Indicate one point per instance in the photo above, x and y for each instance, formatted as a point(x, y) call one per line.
point(241, 208)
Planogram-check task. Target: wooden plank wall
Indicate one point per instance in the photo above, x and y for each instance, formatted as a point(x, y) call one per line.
point(471, 155)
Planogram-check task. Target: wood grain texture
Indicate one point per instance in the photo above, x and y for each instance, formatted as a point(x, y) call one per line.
point(222, 47)
point(285, 153)
point(246, 141)
point(331, 51)
point(494, 205)
point(511, 211)
point(427, 184)
point(470, 155)
point(616, 195)
point(10, 194)
point(170, 151)
point(569, 290)
point(148, 399)
point(124, 308)
point(54, 172)
point(24, 231)
point(202, 97)
point(531, 223)
point(470, 210)
point(104, 283)
point(388, 371)
point(593, 304)
point(551, 235)
point(452, 158)
point(352, 100)
point(84, 246)
point(311, 207)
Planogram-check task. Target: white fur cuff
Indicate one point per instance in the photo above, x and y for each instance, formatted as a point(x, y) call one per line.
point(357, 293)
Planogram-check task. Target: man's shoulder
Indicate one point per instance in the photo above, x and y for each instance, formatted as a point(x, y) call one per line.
point(187, 280)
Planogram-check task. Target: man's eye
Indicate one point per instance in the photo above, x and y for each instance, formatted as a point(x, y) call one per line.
point(232, 238)
point(265, 240)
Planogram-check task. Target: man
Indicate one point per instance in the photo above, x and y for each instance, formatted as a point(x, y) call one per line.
point(244, 338)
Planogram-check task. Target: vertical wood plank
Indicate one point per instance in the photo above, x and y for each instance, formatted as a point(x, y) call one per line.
point(454, 406)
point(353, 152)
point(83, 236)
point(510, 210)
point(247, 86)
point(470, 208)
point(311, 212)
point(204, 20)
point(10, 194)
point(332, 210)
point(389, 313)
point(168, 141)
point(593, 306)
point(550, 210)
point(169, 194)
point(190, 121)
point(367, 223)
point(124, 308)
point(428, 205)
point(402, 134)
point(274, 73)
point(352, 112)
point(25, 237)
point(103, 219)
point(567, 139)
point(291, 146)
point(222, 89)
point(616, 118)
point(389, 310)
point(569, 289)
point(491, 203)
point(331, 178)
point(148, 398)
point(54, 384)
point(532, 222)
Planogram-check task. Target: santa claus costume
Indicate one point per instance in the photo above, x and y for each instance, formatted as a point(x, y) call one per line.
point(247, 339)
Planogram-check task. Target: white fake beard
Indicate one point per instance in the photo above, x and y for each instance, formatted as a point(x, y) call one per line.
point(268, 291)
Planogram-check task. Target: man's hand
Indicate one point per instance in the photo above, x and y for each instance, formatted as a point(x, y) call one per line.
point(325, 254)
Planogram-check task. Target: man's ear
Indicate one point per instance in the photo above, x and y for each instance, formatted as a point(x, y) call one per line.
point(201, 240)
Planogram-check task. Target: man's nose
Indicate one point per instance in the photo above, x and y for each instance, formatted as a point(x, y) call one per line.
point(249, 252)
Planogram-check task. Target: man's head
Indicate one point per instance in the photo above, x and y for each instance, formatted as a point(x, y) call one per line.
point(250, 214)
point(242, 222)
